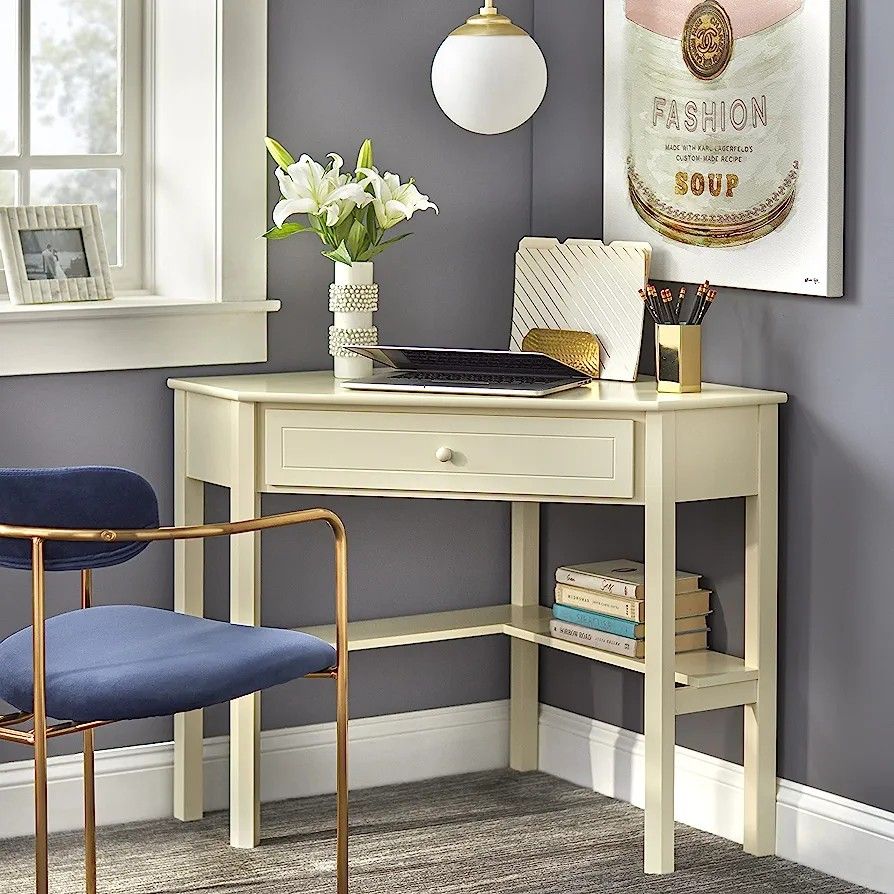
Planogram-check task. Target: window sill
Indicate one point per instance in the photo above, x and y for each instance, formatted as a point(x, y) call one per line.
point(131, 332)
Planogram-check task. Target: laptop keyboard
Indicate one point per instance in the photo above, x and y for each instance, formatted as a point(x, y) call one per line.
point(460, 378)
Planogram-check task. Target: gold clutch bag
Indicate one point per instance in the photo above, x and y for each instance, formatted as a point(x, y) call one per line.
point(579, 350)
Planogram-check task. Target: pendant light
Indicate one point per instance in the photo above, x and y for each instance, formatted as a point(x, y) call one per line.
point(489, 76)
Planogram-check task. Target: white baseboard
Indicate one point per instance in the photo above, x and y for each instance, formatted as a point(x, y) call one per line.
point(135, 784)
point(843, 838)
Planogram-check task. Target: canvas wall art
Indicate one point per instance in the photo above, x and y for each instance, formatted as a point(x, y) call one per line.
point(724, 139)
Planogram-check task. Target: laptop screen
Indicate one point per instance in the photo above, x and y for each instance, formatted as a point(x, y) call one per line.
point(521, 363)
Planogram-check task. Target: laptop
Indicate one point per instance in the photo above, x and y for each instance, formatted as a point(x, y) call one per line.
point(449, 371)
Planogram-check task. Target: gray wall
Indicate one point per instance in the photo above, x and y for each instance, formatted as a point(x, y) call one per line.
point(339, 74)
point(451, 283)
point(836, 563)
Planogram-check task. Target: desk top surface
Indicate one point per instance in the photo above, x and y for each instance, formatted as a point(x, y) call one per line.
point(320, 388)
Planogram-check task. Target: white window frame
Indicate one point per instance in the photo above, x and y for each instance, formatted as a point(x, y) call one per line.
point(205, 206)
point(127, 273)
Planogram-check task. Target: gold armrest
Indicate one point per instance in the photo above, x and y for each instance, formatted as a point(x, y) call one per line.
point(39, 536)
point(192, 532)
point(187, 532)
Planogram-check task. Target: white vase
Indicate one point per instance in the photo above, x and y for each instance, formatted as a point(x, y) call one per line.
point(353, 298)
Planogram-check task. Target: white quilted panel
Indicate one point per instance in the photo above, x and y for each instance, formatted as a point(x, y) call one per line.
point(587, 286)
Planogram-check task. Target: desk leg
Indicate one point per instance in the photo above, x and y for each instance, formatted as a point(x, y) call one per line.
point(245, 608)
point(189, 509)
point(660, 587)
point(761, 531)
point(524, 698)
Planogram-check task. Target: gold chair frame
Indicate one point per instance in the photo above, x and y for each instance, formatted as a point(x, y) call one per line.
point(40, 733)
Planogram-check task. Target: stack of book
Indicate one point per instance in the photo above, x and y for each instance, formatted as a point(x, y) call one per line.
point(603, 604)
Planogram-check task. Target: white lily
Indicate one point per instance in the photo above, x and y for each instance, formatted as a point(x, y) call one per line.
point(336, 203)
point(392, 200)
point(308, 188)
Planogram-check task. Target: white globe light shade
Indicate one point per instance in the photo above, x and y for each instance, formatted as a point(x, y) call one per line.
point(489, 84)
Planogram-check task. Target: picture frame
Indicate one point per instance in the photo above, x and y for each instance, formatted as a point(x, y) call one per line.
point(724, 139)
point(54, 254)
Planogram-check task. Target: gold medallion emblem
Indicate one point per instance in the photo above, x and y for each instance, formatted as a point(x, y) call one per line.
point(707, 40)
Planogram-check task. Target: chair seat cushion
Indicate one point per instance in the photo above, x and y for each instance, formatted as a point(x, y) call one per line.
point(124, 662)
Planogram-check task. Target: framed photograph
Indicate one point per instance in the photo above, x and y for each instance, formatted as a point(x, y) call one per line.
point(724, 139)
point(54, 253)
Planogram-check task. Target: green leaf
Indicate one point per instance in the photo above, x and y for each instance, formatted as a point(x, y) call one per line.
point(340, 254)
point(343, 251)
point(286, 230)
point(327, 234)
point(365, 156)
point(341, 231)
point(374, 250)
point(392, 241)
point(357, 237)
point(317, 228)
point(372, 225)
point(278, 153)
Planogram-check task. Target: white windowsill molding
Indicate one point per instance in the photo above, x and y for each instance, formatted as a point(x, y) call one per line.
point(131, 332)
point(136, 305)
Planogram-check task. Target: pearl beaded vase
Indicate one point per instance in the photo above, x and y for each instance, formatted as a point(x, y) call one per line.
point(353, 298)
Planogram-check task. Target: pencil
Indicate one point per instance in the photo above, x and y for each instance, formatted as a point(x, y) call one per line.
point(679, 308)
point(699, 301)
point(648, 305)
point(706, 305)
point(667, 298)
point(657, 303)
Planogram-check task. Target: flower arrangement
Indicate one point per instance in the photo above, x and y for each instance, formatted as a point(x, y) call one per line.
point(350, 212)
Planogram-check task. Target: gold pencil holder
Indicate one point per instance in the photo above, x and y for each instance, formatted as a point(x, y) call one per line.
point(678, 358)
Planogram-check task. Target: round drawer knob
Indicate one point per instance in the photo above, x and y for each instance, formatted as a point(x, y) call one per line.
point(443, 454)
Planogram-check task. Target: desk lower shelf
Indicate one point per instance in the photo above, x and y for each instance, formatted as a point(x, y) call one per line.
point(696, 669)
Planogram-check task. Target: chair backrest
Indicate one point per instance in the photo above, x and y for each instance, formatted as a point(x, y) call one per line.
point(78, 497)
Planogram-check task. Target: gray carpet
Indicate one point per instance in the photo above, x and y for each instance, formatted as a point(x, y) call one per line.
point(487, 832)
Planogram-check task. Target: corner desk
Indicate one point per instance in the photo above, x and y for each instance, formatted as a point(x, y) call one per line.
point(611, 442)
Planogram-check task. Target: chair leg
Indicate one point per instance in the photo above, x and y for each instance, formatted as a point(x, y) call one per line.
point(89, 814)
point(342, 781)
point(41, 843)
point(89, 767)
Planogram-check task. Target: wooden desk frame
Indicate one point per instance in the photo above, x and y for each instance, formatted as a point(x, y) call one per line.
point(237, 431)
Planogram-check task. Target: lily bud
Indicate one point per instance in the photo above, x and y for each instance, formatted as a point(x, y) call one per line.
point(365, 156)
point(278, 153)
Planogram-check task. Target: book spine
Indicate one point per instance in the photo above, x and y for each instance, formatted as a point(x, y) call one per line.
point(597, 582)
point(596, 638)
point(606, 604)
point(605, 623)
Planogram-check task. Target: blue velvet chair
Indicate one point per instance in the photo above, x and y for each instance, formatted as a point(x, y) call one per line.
point(97, 665)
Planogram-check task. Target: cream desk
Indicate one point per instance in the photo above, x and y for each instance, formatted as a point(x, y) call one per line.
point(612, 442)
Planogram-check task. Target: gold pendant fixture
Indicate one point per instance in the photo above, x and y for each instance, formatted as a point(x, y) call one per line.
point(492, 85)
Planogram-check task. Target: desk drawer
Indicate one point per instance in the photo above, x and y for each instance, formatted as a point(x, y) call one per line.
point(456, 453)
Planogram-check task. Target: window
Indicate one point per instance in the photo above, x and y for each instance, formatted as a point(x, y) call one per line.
point(75, 102)
point(71, 115)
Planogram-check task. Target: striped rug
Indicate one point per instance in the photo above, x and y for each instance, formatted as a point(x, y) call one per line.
point(487, 832)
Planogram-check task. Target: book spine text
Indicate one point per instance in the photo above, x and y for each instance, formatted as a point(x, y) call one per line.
point(597, 582)
point(616, 606)
point(617, 626)
point(596, 638)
